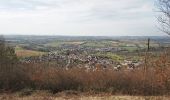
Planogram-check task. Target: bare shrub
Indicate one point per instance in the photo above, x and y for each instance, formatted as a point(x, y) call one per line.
point(131, 82)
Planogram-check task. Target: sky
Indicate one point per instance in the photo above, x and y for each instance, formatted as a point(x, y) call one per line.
point(78, 17)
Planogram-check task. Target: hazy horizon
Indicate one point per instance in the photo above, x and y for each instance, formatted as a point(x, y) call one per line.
point(161, 35)
point(79, 18)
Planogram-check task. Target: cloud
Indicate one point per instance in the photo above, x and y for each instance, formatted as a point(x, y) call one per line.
point(77, 17)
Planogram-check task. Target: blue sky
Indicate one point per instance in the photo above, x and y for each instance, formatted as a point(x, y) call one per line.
point(78, 17)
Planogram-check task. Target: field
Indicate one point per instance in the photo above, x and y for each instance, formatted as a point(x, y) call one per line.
point(20, 52)
point(35, 46)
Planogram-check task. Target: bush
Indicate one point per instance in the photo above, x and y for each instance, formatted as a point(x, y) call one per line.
point(134, 82)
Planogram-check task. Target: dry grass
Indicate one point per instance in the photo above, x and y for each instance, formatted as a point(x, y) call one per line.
point(28, 53)
point(47, 96)
point(20, 52)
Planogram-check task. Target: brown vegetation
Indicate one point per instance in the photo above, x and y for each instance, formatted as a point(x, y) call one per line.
point(152, 80)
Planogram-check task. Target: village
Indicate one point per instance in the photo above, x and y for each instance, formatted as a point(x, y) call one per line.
point(88, 59)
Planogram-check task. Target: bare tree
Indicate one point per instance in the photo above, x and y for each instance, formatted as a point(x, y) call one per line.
point(164, 17)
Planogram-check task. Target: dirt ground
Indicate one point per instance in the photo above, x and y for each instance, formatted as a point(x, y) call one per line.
point(82, 98)
point(73, 96)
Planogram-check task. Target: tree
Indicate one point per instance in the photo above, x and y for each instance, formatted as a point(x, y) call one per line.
point(164, 17)
point(9, 72)
point(7, 54)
